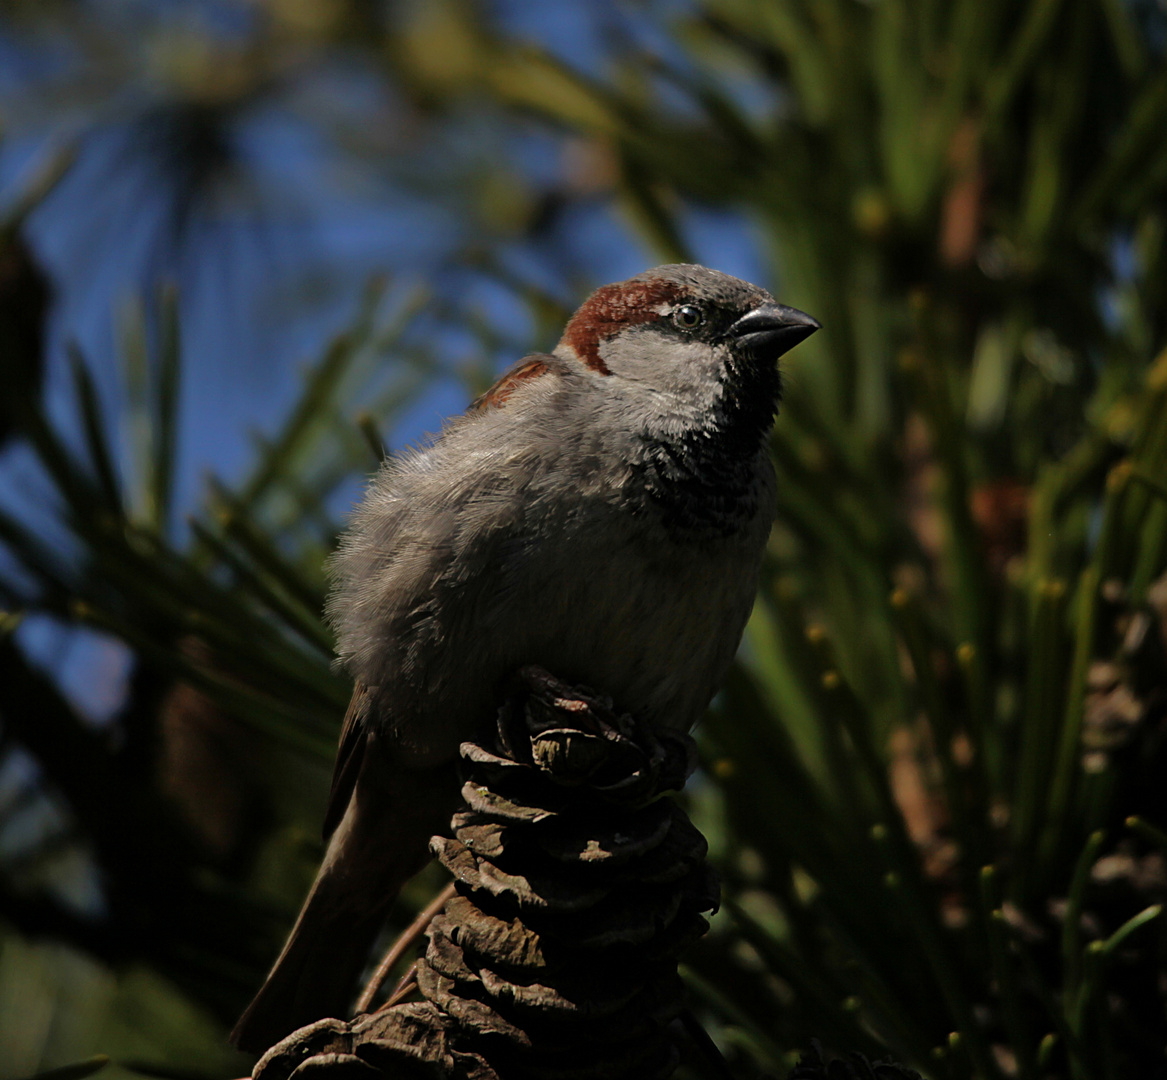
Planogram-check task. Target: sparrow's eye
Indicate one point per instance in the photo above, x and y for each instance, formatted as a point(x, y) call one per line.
point(688, 317)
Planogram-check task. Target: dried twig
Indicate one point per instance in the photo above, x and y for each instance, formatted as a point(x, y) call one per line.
point(411, 933)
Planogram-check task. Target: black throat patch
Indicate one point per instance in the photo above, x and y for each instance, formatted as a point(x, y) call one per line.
point(704, 481)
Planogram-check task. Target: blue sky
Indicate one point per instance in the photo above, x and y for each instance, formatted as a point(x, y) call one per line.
point(271, 258)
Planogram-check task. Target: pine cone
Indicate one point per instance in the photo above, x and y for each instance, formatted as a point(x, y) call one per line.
point(577, 888)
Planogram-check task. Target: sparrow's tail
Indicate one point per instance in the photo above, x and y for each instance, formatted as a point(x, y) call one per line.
point(380, 843)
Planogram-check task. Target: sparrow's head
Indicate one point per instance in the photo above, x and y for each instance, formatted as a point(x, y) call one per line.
point(681, 327)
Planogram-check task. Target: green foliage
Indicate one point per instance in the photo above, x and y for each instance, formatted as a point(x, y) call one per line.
point(932, 779)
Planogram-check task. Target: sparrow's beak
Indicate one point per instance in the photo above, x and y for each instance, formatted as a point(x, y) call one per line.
point(772, 329)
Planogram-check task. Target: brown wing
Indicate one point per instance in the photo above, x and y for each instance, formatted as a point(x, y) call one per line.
point(530, 367)
point(349, 755)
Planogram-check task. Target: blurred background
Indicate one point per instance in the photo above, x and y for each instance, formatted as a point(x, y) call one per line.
point(247, 245)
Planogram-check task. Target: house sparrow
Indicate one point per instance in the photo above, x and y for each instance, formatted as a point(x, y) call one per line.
point(600, 512)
